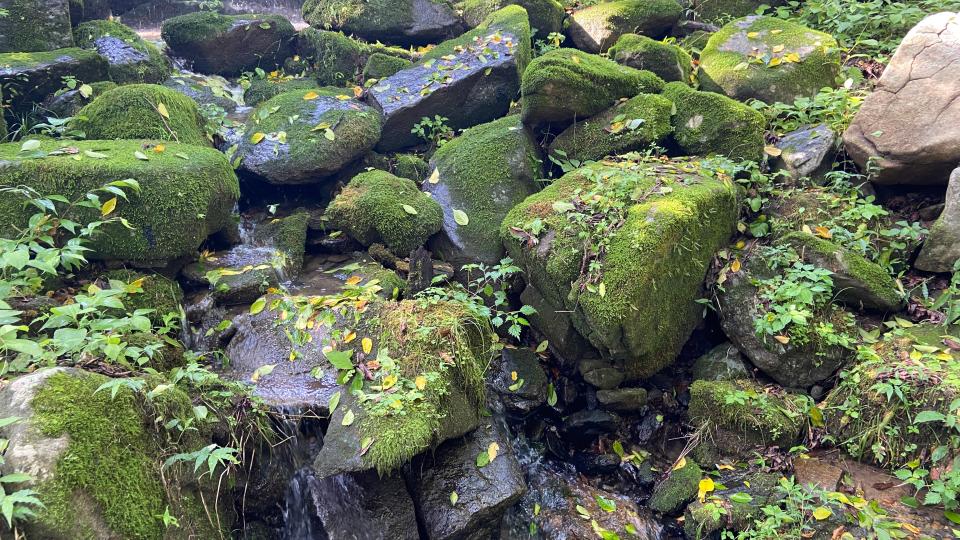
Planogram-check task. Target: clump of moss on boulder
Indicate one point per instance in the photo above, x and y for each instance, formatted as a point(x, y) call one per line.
point(712, 10)
point(708, 123)
point(134, 112)
point(332, 56)
point(595, 28)
point(35, 25)
point(634, 124)
point(655, 255)
point(546, 16)
point(378, 207)
point(769, 59)
point(564, 84)
point(132, 59)
point(410, 166)
point(289, 236)
point(261, 90)
point(671, 494)
point(381, 65)
point(182, 200)
point(742, 415)
point(666, 60)
point(398, 22)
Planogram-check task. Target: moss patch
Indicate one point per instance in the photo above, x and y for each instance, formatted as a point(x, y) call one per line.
point(261, 90)
point(108, 38)
point(676, 490)
point(381, 65)
point(133, 112)
point(667, 61)
point(159, 293)
point(332, 56)
point(545, 16)
point(707, 123)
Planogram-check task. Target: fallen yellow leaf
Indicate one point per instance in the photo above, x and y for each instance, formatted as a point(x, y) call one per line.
point(735, 266)
point(706, 486)
point(311, 95)
point(367, 345)
point(492, 450)
point(420, 382)
point(353, 280)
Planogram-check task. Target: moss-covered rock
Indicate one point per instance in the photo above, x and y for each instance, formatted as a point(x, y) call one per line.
point(672, 494)
point(132, 59)
point(229, 44)
point(634, 124)
point(769, 59)
point(306, 136)
point(206, 90)
point(723, 363)
point(666, 60)
point(378, 207)
point(702, 519)
point(289, 236)
point(82, 11)
point(595, 28)
point(35, 25)
point(187, 193)
point(100, 475)
point(133, 112)
point(546, 16)
point(332, 56)
point(261, 90)
point(565, 84)
point(29, 78)
point(161, 294)
point(857, 281)
point(708, 123)
point(712, 10)
point(381, 65)
point(410, 166)
point(399, 22)
point(742, 415)
point(482, 173)
point(653, 258)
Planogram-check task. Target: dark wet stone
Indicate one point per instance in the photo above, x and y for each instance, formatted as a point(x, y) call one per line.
point(35, 25)
point(623, 399)
point(601, 373)
point(584, 426)
point(529, 395)
point(30, 81)
point(595, 464)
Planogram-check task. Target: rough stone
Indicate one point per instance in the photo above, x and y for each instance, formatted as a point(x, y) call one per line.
point(941, 249)
point(807, 152)
point(595, 28)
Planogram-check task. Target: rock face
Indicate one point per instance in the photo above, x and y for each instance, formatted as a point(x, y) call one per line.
point(941, 249)
point(329, 130)
point(667, 61)
point(175, 211)
point(229, 44)
point(398, 22)
point(469, 80)
point(35, 25)
point(483, 493)
point(132, 112)
point(28, 78)
point(631, 125)
point(595, 28)
point(565, 84)
point(807, 152)
point(905, 128)
point(483, 173)
point(131, 58)
point(378, 207)
point(708, 123)
point(641, 325)
point(740, 60)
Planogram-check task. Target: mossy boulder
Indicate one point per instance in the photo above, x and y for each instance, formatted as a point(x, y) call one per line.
point(229, 44)
point(410, 166)
point(712, 10)
point(133, 112)
point(722, 363)
point(679, 487)
point(187, 193)
point(301, 137)
point(546, 16)
point(331, 56)
point(701, 519)
point(707, 123)
point(261, 90)
point(479, 177)
point(132, 59)
point(666, 60)
point(769, 59)
point(398, 22)
point(209, 91)
point(96, 460)
point(469, 80)
point(289, 236)
point(630, 125)
point(381, 65)
point(383, 433)
point(378, 207)
point(596, 28)
point(675, 216)
point(30, 77)
point(857, 281)
point(741, 416)
point(565, 84)
point(35, 25)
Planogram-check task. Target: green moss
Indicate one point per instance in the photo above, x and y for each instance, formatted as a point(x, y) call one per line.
point(707, 123)
point(676, 490)
point(34, 25)
point(667, 61)
point(713, 10)
point(195, 27)
point(155, 68)
point(390, 21)
point(742, 415)
point(613, 131)
point(182, 201)
point(728, 63)
point(381, 65)
point(161, 294)
point(410, 166)
point(371, 210)
point(261, 90)
point(596, 27)
point(510, 20)
point(564, 84)
point(655, 261)
point(289, 236)
point(133, 112)
point(334, 57)
point(545, 16)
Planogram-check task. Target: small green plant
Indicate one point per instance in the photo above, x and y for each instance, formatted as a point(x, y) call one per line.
point(433, 130)
point(833, 107)
point(20, 504)
point(553, 41)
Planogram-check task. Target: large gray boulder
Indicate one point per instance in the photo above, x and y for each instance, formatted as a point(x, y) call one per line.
point(35, 25)
point(905, 131)
point(941, 249)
